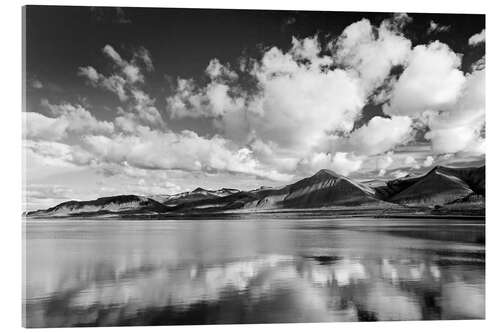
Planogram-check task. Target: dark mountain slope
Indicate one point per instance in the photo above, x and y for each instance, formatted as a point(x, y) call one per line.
point(323, 189)
point(439, 186)
point(193, 196)
point(116, 204)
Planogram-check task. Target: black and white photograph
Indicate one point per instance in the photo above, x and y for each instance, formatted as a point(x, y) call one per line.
point(187, 166)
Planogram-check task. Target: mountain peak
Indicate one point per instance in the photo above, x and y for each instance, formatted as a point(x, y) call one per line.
point(326, 172)
point(199, 189)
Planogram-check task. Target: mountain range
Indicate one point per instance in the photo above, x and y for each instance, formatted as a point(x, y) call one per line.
point(442, 190)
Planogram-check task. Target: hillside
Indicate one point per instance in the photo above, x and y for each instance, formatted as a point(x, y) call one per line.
point(105, 205)
point(323, 189)
point(440, 186)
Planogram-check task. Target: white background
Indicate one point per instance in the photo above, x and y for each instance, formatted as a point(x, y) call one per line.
point(11, 168)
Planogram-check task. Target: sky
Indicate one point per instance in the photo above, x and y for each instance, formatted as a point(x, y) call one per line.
point(159, 101)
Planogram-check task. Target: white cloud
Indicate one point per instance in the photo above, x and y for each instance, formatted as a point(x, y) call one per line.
point(133, 73)
point(114, 83)
point(115, 56)
point(378, 135)
point(341, 162)
point(210, 101)
point(90, 73)
point(130, 69)
point(129, 76)
point(68, 119)
point(298, 102)
point(436, 27)
point(478, 38)
point(145, 110)
point(431, 81)
point(152, 149)
point(144, 56)
point(479, 64)
point(38, 126)
point(428, 161)
point(410, 160)
point(460, 127)
point(300, 96)
point(372, 55)
point(50, 153)
point(143, 141)
point(385, 162)
point(215, 70)
point(433, 90)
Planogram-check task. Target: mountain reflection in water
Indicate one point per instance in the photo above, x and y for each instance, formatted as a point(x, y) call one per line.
point(108, 273)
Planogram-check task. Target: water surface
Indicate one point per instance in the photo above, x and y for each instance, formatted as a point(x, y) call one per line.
point(102, 273)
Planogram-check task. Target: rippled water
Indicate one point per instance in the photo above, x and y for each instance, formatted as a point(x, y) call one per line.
point(102, 273)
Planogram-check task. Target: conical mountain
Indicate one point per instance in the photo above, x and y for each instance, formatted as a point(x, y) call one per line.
point(323, 189)
point(326, 188)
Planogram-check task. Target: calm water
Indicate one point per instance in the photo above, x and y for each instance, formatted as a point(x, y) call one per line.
point(82, 273)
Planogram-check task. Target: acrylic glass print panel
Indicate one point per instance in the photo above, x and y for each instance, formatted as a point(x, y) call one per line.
point(195, 166)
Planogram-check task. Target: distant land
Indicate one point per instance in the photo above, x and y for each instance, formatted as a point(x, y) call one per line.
point(443, 191)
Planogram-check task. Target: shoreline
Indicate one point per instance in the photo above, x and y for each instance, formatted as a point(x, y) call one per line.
point(283, 215)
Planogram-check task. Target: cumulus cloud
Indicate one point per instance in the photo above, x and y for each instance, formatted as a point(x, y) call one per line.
point(372, 51)
point(142, 140)
point(300, 94)
point(216, 70)
point(51, 153)
point(461, 127)
point(153, 149)
point(38, 126)
point(433, 90)
point(436, 27)
point(478, 38)
point(432, 80)
point(114, 83)
point(90, 73)
point(378, 135)
point(298, 97)
point(144, 109)
point(67, 119)
point(211, 100)
point(302, 101)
